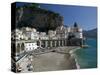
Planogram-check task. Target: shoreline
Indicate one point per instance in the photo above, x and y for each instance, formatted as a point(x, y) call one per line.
point(61, 58)
point(58, 59)
point(71, 52)
point(73, 55)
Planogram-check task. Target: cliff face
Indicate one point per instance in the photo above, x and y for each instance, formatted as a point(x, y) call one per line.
point(41, 19)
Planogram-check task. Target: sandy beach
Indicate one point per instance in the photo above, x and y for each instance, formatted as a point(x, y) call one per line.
point(59, 59)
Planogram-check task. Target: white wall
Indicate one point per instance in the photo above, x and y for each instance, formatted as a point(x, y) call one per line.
point(30, 46)
point(78, 35)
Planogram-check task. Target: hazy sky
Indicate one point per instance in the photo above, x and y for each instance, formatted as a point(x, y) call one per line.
point(86, 17)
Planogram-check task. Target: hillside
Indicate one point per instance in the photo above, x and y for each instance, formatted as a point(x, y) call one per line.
point(41, 19)
point(90, 33)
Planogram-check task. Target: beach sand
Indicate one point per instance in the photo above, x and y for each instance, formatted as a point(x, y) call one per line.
point(52, 61)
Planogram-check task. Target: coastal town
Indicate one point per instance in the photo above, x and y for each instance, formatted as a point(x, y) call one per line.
point(52, 37)
point(28, 43)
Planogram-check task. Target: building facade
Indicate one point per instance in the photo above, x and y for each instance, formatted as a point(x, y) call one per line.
point(30, 46)
point(28, 39)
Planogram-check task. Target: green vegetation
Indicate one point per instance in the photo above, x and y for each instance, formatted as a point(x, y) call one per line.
point(39, 18)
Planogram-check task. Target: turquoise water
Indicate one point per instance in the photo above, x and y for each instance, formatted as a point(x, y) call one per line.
point(87, 57)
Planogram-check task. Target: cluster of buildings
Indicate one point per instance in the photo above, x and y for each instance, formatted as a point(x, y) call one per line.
point(28, 39)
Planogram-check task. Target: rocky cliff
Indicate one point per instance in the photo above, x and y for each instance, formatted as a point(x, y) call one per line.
point(41, 19)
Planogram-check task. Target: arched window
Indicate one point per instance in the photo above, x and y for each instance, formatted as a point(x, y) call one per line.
point(38, 43)
point(22, 46)
point(18, 48)
point(48, 43)
point(53, 43)
point(57, 43)
point(60, 42)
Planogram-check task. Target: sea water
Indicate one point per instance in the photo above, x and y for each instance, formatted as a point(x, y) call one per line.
point(87, 57)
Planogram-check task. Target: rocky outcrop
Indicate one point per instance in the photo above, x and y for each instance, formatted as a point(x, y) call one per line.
point(41, 19)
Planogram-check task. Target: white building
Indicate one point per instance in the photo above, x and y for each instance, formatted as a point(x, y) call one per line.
point(79, 34)
point(34, 36)
point(31, 33)
point(29, 46)
point(25, 37)
point(77, 31)
point(43, 35)
point(17, 35)
point(62, 32)
point(51, 33)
